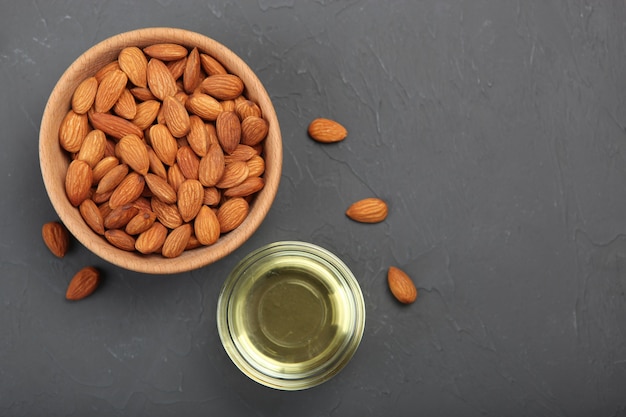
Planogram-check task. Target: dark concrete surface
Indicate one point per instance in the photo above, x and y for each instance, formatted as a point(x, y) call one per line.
point(495, 129)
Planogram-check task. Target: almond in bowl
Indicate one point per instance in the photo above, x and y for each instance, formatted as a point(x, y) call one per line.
point(160, 150)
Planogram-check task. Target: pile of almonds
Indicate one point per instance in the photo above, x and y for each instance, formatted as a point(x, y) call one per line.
point(166, 150)
point(367, 210)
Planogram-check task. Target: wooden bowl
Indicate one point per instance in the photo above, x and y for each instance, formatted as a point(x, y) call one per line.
point(54, 160)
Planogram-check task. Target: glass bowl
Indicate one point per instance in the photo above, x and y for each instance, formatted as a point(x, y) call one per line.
point(291, 315)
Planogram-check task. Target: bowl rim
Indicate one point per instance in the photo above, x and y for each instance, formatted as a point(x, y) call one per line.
point(53, 172)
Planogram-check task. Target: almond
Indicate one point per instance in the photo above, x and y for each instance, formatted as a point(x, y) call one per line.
point(256, 166)
point(228, 105)
point(140, 223)
point(133, 152)
point(401, 285)
point(100, 198)
point(167, 214)
point(84, 95)
point(212, 196)
point(109, 90)
point(198, 138)
point(78, 181)
point(161, 189)
point(222, 86)
point(166, 51)
point(368, 210)
point(72, 131)
point(241, 153)
point(105, 165)
point(114, 125)
point(193, 242)
point(211, 133)
point(176, 117)
point(253, 130)
point(204, 106)
point(211, 167)
point(156, 166)
point(93, 147)
point(142, 204)
point(246, 108)
point(160, 80)
point(109, 150)
point(83, 284)
point(232, 213)
point(177, 68)
point(228, 130)
point(120, 239)
point(248, 187)
point(188, 162)
point(327, 131)
point(152, 239)
point(163, 144)
point(56, 238)
point(112, 179)
point(176, 241)
point(102, 72)
point(126, 106)
point(211, 66)
point(127, 191)
point(175, 177)
point(92, 216)
point(206, 226)
point(142, 93)
point(135, 64)
point(145, 113)
point(190, 196)
point(191, 75)
point(119, 217)
point(234, 174)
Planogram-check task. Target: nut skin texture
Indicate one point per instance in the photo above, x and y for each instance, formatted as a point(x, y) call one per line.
point(156, 144)
point(401, 285)
point(83, 284)
point(78, 181)
point(232, 213)
point(368, 210)
point(56, 237)
point(327, 131)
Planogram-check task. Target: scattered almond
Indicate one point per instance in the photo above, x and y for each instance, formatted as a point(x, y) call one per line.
point(56, 238)
point(83, 284)
point(368, 210)
point(327, 131)
point(401, 285)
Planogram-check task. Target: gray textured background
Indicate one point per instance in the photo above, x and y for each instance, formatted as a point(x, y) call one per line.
point(495, 129)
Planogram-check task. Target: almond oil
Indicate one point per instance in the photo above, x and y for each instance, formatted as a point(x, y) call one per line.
point(294, 313)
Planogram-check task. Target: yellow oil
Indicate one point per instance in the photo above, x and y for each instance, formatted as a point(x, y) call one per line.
point(290, 315)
